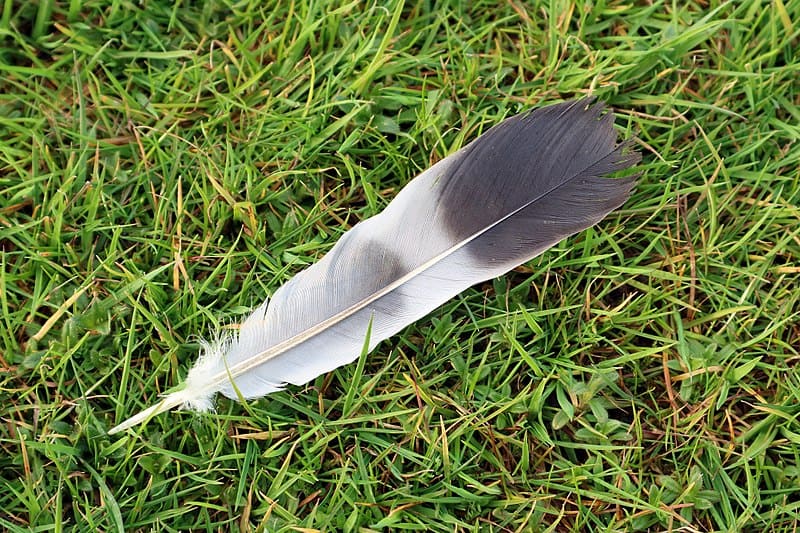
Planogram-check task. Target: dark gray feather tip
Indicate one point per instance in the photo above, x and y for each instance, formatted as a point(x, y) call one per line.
point(536, 178)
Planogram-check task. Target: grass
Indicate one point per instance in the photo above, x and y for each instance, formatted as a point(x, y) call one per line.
point(165, 166)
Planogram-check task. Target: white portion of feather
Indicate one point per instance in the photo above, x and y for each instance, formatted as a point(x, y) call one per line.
point(394, 268)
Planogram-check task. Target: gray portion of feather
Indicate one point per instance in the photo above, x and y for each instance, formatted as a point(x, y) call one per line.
point(545, 168)
point(354, 269)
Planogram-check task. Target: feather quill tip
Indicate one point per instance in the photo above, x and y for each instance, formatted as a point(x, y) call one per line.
point(169, 402)
point(191, 397)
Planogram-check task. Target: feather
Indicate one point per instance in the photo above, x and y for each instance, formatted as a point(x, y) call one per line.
point(515, 191)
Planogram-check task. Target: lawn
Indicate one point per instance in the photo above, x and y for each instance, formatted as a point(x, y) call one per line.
point(166, 166)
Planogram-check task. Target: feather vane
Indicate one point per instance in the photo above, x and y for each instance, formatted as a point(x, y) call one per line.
point(523, 186)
